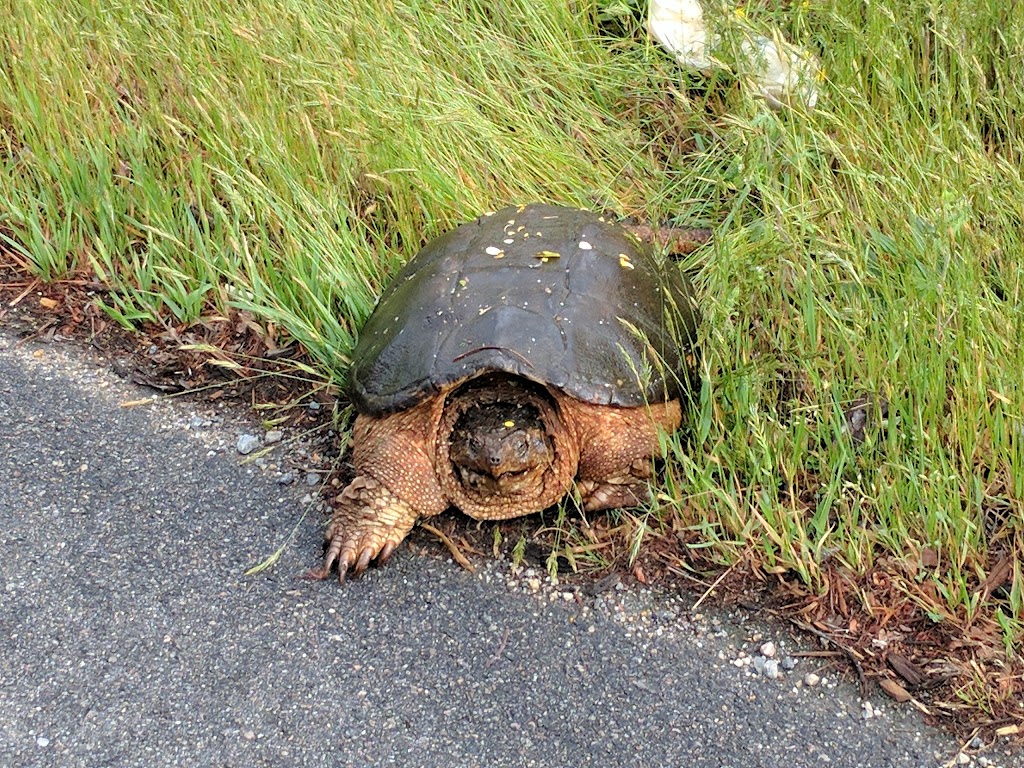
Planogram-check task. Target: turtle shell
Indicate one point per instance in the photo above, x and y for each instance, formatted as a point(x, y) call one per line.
point(555, 295)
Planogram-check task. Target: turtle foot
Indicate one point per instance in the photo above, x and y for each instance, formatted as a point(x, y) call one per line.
point(628, 490)
point(369, 523)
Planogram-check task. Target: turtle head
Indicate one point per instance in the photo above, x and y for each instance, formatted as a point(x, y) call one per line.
point(501, 447)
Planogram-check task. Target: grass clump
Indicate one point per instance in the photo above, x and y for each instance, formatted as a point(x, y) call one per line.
point(287, 157)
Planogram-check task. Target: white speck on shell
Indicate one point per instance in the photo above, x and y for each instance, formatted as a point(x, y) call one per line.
point(585, 246)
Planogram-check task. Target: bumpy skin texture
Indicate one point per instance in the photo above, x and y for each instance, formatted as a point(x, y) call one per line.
point(404, 471)
point(500, 448)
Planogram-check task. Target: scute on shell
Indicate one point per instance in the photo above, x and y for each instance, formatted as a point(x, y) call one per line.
point(584, 323)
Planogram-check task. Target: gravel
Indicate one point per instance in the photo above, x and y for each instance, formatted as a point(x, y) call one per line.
point(247, 444)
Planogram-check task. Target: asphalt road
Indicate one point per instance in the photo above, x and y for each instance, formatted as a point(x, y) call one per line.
point(131, 637)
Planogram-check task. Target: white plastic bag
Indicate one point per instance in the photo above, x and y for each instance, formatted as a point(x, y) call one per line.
point(779, 72)
point(679, 26)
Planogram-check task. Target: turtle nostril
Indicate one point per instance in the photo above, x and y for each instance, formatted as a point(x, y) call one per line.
point(494, 460)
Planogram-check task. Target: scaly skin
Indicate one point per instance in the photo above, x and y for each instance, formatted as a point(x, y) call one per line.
point(395, 485)
point(617, 446)
point(404, 472)
point(532, 491)
point(373, 521)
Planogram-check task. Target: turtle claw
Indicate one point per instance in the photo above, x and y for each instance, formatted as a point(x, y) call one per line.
point(364, 560)
point(316, 574)
point(369, 523)
point(343, 566)
point(387, 551)
point(321, 573)
point(343, 555)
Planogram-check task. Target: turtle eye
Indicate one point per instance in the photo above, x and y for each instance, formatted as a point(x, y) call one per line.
point(522, 447)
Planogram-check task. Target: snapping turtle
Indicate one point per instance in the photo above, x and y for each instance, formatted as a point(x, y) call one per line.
point(529, 352)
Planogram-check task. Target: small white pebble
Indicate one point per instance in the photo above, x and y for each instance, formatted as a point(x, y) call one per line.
point(42, 741)
point(811, 679)
point(585, 246)
point(492, 250)
point(768, 649)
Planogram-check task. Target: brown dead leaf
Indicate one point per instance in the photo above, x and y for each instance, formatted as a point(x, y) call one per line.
point(46, 303)
point(914, 676)
point(894, 690)
point(638, 574)
point(998, 576)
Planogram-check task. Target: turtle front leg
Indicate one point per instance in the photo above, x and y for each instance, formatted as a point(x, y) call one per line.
point(369, 522)
point(617, 450)
point(395, 485)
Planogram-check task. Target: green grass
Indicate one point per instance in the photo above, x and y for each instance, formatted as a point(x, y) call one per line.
point(286, 157)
